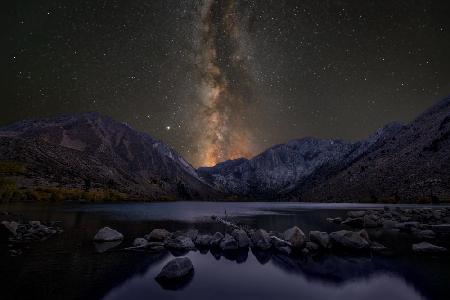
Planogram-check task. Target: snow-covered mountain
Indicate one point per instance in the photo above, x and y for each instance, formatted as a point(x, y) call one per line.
point(397, 162)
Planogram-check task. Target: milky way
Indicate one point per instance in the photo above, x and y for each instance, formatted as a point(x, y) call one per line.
point(226, 85)
point(224, 79)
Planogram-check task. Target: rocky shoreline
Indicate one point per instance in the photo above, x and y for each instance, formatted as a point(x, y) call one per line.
point(19, 234)
point(423, 224)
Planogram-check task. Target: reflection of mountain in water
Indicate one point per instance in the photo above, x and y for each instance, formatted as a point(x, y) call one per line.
point(272, 276)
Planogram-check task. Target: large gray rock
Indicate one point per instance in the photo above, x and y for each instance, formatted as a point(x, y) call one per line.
point(320, 238)
point(158, 235)
point(180, 243)
point(176, 269)
point(216, 239)
point(203, 240)
point(228, 243)
point(428, 248)
point(350, 239)
point(241, 238)
point(295, 236)
point(107, 234)
point(261, 239)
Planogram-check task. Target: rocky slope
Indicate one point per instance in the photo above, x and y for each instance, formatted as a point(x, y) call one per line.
point(92, 151)
point(397, 163)
point(412, 165)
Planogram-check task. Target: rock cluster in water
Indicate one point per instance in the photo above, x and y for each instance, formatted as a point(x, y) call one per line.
point(421, 223)
point(17, 233)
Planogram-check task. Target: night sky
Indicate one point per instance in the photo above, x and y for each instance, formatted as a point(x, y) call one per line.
point(224, 79)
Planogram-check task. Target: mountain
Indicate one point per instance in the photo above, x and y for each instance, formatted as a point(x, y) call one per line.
point(411, 165)
point(397, 163)
point(91, 151)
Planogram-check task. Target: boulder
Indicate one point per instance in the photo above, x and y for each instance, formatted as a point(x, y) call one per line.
point(354, 222)
point(107, 234)
point(286, 250)
point(203, 240)
point(176, 269)
point(320, 238)
point(241, 238)
point(389, 224)
point(155, 247)
point(11, 226)
point(216, 239)
point(370, 221)
point(350, 239)
point(311, 246)
point(295, 236)
point(334, 220)
point(261, 239)
point(356, 213)
point(228, 243)
point(140, 242)
point(428, 248)
point(180, 243)
point(407, 226)
point(279, 242)
point(35, 223)
point(192, 234)
point(158, 235)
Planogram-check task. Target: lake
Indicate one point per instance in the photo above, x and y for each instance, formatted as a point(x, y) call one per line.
point(68, 266)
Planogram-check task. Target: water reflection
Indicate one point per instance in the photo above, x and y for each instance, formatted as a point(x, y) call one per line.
point(271, 276)
point(105, 246)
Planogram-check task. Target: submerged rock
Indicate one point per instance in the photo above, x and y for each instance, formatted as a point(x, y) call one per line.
point(295, 236)
point(175, 269)
point(426, 247)
point(158, 235)
point(321, 238)
point(107, 234)
point(350, 239)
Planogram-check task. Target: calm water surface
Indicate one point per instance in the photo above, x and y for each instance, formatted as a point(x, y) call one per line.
point(68, 266)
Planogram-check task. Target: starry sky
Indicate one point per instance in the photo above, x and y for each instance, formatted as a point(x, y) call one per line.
point(223, 79)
